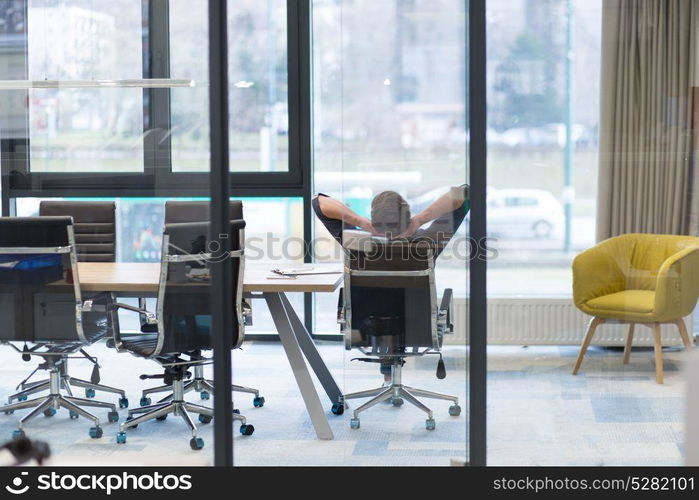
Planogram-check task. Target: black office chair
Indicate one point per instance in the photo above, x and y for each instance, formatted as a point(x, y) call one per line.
point(183, 322)
point(41, 304)
point(94, 227)
point(198, 211)
point(389, 311)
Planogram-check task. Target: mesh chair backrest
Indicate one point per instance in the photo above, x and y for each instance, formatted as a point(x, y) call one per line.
point(94, 225)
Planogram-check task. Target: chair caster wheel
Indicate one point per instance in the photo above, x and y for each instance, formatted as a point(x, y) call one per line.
point(144, 401)
point(121, 437)
point(338, 408)
point(247, 429)
point(73, 415)
point(196, 443)
point(354, 423)
point(23, 398)
point(131, 418)
point(258, 402)
point(205, 419)
point(89, 393)
point(95, 432)
point(397, 402)
point(123, 402)
point(161, 418)
point(49, 412)
point(430, 424)
point(236, 411)
point(204, 395)
point(455, 410)
point(113, 416)
point(18, 434)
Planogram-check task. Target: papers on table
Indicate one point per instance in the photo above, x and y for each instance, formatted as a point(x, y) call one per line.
point(302, 271)
point(293, 273)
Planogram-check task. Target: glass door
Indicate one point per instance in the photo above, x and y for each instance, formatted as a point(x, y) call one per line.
point(391, 172)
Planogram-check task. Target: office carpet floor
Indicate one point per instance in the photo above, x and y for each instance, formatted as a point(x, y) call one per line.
point(538, 413)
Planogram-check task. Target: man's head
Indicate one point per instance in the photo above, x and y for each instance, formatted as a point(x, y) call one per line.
point(390, 213)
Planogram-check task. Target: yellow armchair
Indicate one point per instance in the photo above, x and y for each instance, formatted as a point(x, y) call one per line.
point(648, 279)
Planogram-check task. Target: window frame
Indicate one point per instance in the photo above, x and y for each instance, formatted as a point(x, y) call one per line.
point(157, 177)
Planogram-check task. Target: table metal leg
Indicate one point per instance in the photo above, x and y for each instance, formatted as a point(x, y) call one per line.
point(311, 352)
point(294, 353)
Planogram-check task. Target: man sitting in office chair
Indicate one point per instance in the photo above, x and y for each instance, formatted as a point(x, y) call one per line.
point(391, 218)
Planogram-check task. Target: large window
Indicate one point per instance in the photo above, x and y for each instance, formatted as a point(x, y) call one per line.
point(389, 112)
point(390, 107)
point(272, 240)
point(539, 184)
point(85, 130)
point(257, 76)
point(145, 140)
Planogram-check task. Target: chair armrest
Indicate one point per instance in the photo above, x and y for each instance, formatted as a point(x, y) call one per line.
point(247, 313)
point(341, 309)
point(596, 273)
point(677, 284)
point(447, 300)
point(149, 316)
point(445, 308)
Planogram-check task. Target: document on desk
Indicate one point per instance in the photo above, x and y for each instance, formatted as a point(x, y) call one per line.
point(303, 271)
point(281, 277)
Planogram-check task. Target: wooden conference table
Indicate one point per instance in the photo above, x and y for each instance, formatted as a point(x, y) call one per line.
point(129, 279)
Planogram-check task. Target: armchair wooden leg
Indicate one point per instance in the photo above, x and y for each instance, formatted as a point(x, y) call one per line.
point(658, 353)
point(629, 342)
point(594, 323)
point(686, 339)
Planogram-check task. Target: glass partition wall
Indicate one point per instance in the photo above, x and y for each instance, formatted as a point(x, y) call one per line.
point(89, 85)
point(589, 158)
point(349, 131)
point(108, 102)
point(543, 133)
point(390, 159)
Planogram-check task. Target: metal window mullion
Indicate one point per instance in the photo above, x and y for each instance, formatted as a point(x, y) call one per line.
point(476, 95)
point(157, 144)
point(10, 161)
point(299, 34)
point(221, 271)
